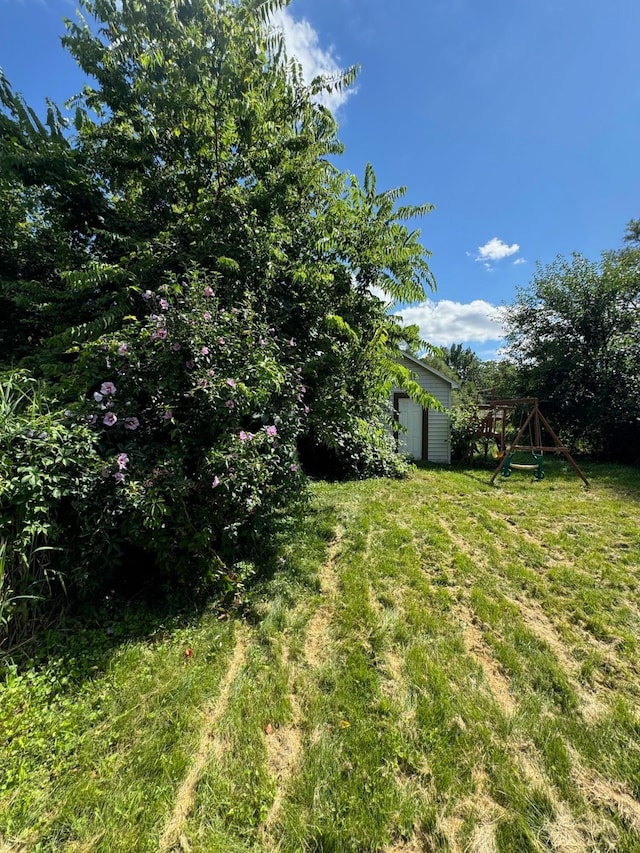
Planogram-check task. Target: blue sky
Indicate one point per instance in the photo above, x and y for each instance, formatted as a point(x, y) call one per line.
point(518, 119)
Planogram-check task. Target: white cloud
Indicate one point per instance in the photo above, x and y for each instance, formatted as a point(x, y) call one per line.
point(519, 261)
point(445, 322)
point(302, 42)
point(495, 250)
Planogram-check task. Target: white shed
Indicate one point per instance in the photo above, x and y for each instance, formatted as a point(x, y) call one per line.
point(427, 434)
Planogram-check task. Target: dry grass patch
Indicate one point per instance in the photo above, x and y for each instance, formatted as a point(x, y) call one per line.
point(209, 748)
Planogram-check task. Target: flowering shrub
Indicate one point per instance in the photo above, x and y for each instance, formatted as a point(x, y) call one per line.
point(195, 409)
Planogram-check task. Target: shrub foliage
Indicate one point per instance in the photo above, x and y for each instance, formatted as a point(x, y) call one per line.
point(190, 277)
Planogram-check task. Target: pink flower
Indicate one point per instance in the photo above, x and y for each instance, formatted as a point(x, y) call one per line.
point(231, 383)
point(215, 482)
point(122, 461)
point(189, 365)
point(208, 291)
point(221, 341)
point(131, 423)
point(235, 310)
point(206, 315)
point(245, 436)
point(230, 404)
point(261, 341)
point(97, 396)
point(92, 419)
point(204, 351)
point(292, 343)
point(211, 372)
point(307, 410)
point(271, 430)
point(168, 415)
point(118, 477)
point(293, 467)
point(161, 334)
point(108, 389)
point(123, 348)
point(109, 419)
point(147, 295)
point(164, 304)
point(202, 383)
point(176, 347)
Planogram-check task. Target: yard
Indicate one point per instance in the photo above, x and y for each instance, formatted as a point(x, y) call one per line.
point(438, 665)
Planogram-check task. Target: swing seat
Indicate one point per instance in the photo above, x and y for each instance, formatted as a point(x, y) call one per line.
point(519, 467)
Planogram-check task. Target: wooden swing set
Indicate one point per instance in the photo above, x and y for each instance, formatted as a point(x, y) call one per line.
point(493, 426)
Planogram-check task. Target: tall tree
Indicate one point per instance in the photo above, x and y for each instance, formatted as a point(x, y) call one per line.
point(575, 336)
point(463, 361)
point(198, 145)
point(193, 276)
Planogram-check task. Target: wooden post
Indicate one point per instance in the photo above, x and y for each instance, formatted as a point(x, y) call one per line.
point(563, 450)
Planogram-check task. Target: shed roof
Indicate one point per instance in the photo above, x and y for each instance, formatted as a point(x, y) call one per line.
point(416, 363)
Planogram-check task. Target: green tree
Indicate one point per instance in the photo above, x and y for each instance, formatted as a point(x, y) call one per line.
point(463, 361)
point(191, 243)
point(574, 334)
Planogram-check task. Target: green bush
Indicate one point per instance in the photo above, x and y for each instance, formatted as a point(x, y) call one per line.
point(353, 449)
point(48, 469)
point(465, 422)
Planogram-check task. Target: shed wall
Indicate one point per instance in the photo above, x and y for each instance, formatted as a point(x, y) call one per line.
point(439, 443)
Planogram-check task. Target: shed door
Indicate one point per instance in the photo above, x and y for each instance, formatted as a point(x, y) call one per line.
point(410, 417)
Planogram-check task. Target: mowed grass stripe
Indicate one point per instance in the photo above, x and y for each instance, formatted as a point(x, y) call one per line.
point(472, 817)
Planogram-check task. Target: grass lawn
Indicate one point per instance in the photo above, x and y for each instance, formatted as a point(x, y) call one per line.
point(439, 665)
